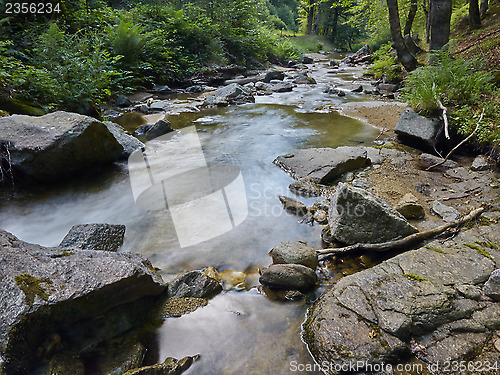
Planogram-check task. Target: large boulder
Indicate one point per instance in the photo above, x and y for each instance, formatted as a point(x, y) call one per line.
point(105, 237)
point(417, 130)
point(54, 299)
point(413, 301)
point(357, 216)
point(56, 145)
point(322, 165)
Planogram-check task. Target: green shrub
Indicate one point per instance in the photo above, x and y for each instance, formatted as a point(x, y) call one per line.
point(385, 64)
point(454, 81)
point(127, 40)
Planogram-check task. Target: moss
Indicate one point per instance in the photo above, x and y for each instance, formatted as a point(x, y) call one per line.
point(480, 221)
point(31, 286)
point(434, 249)
point(489, 244)
point(479, 249)
point(3, 113)
point(412, 276)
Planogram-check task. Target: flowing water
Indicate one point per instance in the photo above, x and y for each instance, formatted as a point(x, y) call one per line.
point(243, 332)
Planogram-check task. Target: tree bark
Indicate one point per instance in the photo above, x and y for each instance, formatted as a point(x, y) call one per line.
point(484, 7)
point(474, 16)
point(310, 16)
point(404, 55)
point(440, 16)
point(412, 47)
point(318, 16)
point(335, 21)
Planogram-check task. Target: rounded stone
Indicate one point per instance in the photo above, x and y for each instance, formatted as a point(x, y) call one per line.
point(295, 253)
point(289, 276)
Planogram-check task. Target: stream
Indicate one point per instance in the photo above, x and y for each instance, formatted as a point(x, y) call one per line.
point(240, 331)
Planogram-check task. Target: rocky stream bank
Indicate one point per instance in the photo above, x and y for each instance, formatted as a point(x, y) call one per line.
point(66, 308)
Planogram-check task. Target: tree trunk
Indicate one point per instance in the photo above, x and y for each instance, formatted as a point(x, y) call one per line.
point(316, 24)
point(310, 16)
point(412, 47)
point(440, 15)
point(427, 6)
point(335, 21)
point(484, 7)
point(474, 16)
point(404, 55)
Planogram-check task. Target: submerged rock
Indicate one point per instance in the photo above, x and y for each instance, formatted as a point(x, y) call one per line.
point(289, 276)
point(170, 366)
point(357, 216)
point(322, 165)
point(416, 130)
point(295, 253)
point(293, 206)
point(194, 284)
point(56, 145)
point(53, 299)
point(105, 237)
point(152, 131)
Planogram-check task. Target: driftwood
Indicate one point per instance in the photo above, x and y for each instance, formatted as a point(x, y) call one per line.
point(407, 241)
point(443, 108)
point(460, 144)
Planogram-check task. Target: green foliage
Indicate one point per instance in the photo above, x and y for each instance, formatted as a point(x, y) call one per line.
point(127, 40)
point(386, 64)
point(463, 87)
point(453, 81)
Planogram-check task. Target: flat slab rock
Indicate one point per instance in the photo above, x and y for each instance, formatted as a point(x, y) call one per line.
point(418, 301)
point(323, 165)
point(52, 291)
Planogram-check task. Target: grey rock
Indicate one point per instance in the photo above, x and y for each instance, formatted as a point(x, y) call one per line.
point(322, 204)
point(333, 64)
point(295, 253)
point(77, 297)
point(291, 64)
point(470, 291)
point(358, 89)
point(274, 74)
point(111, 114)
point(427, 160)
point(124, 138)
point(307, 60)
point(170, 366)
point(489, 317)
point(105, 237)
point(232, 94)
point(361, 183)
point(323, 165)
point(480, 163)
point(155, 130)
point(306, 187)
point(410, 208)
point(460, 174)
point(293, 206)
point(321, 217)
point(282, 87)
point(417, 130)
point(492, 287)
point(195, 89)
point(262, 86)
point(357, 216)
point(447, 213)
point(161, 89)
point(118, 358)
point(303, 79)
point(122, 101)
point(56, 145)
point(388, 87)
point(194, 284)
point(288, 276)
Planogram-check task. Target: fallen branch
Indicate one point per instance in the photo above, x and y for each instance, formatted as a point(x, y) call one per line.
point(407, 241)
point(457, 146)
point(443, 108)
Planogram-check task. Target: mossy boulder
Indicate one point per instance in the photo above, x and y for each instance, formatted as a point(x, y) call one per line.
point(61, 299)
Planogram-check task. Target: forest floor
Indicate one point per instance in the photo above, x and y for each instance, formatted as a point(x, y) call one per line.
point(483, 42)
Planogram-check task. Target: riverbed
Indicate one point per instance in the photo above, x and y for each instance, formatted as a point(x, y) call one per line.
point(240, 331)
